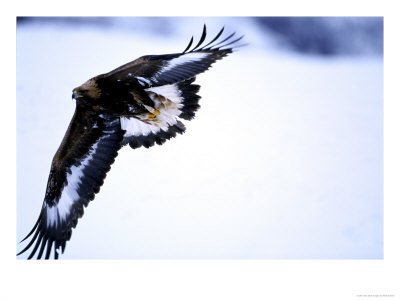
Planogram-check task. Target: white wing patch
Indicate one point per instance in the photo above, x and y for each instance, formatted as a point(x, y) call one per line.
point(69, 194)
point(179, 61)
point(169, 91)
point(167, 103)
point(136, 127)
point(183, 59)
point(143, 80)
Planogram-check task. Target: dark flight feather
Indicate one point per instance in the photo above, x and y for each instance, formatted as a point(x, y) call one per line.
point(188, 46)
point(202, 38)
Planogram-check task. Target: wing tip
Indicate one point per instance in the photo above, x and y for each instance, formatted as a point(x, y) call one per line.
point(41, 238)
point(211, 46)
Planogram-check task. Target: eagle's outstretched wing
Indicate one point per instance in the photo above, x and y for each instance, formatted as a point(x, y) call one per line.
point(77, 172)
point(157, 70)
point(150, 96)
point(168, 79)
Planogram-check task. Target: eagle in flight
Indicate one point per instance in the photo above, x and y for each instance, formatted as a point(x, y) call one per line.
point(141, 104)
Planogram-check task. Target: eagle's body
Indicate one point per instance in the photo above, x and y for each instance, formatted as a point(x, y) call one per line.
point(140, 104)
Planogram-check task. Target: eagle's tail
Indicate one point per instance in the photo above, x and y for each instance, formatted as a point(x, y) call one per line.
point(172, 103)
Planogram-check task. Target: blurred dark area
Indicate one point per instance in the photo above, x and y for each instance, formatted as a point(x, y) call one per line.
point(325, 36)
point(155, 25)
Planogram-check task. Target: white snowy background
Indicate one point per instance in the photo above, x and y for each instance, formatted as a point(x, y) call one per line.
point(284, 160)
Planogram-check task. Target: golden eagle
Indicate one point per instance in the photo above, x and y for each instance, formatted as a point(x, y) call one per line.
point(140, 104)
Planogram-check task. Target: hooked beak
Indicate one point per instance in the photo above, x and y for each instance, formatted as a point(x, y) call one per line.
point(76, 94)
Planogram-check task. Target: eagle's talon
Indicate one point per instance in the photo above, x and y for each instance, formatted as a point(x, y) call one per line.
point(153, 115)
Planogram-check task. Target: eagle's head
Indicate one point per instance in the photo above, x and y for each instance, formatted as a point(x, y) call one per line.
point(87, 91)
